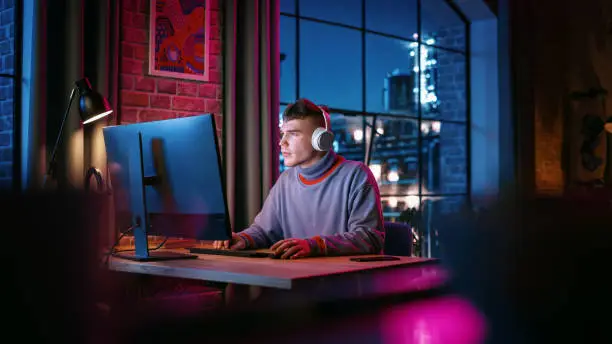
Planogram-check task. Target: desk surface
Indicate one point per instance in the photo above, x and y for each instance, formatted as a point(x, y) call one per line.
point(264, 272)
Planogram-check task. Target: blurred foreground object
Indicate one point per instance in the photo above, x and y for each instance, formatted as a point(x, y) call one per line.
point(538, 270)
point(50, 265)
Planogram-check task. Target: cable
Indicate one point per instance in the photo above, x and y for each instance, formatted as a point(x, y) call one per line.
point(127, 231)
point(151, 249)
point(112, 249)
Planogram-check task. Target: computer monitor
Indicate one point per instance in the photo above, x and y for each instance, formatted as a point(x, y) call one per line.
point(167, 180)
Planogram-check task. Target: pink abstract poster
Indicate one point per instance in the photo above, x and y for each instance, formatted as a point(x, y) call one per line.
point(178, 39)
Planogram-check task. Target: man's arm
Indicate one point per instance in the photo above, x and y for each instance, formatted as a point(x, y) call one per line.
point(266, 228)
point(366, 233)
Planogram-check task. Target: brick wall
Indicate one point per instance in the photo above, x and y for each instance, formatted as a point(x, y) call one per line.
point(7, 54)
point(148, 98)
point(451, 91)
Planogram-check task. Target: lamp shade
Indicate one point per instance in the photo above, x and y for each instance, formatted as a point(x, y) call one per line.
point(92, 105)
point(608, 125)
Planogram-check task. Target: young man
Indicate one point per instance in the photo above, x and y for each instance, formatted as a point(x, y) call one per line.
point(323, 205)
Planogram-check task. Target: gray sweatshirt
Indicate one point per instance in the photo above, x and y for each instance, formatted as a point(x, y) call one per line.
point(334, 204)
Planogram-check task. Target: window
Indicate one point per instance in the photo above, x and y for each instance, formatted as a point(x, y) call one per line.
point(440, 20)
point(9, 94)
point(330, 72)
point(338, 11)
point(287, 6)
point(394, 74)
point(288, 72)
point(397, 18)
point(389, 75)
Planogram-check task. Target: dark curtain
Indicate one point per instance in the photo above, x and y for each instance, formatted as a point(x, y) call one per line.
point(101, 66)
point(251, 97)
point(73, 42)
point(72, 39)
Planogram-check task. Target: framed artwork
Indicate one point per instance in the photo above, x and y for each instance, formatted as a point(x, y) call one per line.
point(179, 39)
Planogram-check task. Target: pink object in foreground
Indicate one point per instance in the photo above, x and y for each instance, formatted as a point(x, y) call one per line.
point(444, 320)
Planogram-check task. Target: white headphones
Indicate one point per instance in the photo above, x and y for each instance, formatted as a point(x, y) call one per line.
point(323, 138)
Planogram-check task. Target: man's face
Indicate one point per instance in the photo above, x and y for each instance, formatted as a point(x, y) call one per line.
point(296, 144)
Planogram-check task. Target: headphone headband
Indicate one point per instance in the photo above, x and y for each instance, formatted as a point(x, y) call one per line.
point(323, 138)
point(325, 117)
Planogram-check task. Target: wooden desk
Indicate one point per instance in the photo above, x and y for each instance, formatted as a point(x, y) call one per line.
point(327, 277)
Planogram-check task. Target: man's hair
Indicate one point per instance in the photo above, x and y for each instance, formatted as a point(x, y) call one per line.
point(303, 109)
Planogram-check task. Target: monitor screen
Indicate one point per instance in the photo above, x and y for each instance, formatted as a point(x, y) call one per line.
point(180, 177)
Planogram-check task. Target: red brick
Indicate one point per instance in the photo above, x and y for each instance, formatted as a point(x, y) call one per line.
point(127, 82)
point(219, 92)
point(207, 91)
point(213, 106)
point(214, 18)
point(141, 52)
point(133, 35)
point(187, 89)
point(189, 104)
point(129, 115)
point(126, 18)
point(160, 101)
point(134, 98)
point(215, 47)
point(214, 62)
point(130, 5)
point(145, 84)
point(139, 20)
point(127, 50)
point(144, 6)
point(215, 32)
point(154, 115)
point(166, 86)
point(129, 66)
point(215, 77)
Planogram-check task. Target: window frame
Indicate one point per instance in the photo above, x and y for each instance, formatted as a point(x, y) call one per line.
point(372, 117)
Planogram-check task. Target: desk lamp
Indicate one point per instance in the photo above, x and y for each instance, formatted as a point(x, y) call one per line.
point(92, 107)
point(608, 125)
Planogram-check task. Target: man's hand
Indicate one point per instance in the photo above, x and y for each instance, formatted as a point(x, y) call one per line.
point(291, 248)
point(235, 244)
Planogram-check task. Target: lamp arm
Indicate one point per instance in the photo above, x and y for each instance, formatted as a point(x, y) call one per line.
point(51, 167)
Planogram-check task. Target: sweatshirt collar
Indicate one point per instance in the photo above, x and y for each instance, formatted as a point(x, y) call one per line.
point(319, 168)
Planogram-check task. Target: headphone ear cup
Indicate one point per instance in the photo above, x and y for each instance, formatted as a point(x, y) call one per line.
point(315, 138)
point(322, 140)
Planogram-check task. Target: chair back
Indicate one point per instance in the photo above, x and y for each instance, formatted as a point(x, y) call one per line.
point(398, 239)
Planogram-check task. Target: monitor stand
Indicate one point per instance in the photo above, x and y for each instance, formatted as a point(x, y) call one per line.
point(141, 217)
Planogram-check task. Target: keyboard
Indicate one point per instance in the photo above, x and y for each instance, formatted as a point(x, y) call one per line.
point(233, 253)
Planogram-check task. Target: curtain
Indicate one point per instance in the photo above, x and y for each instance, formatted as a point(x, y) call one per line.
point(101, 66)
point(251, 97)
point(73, 42)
